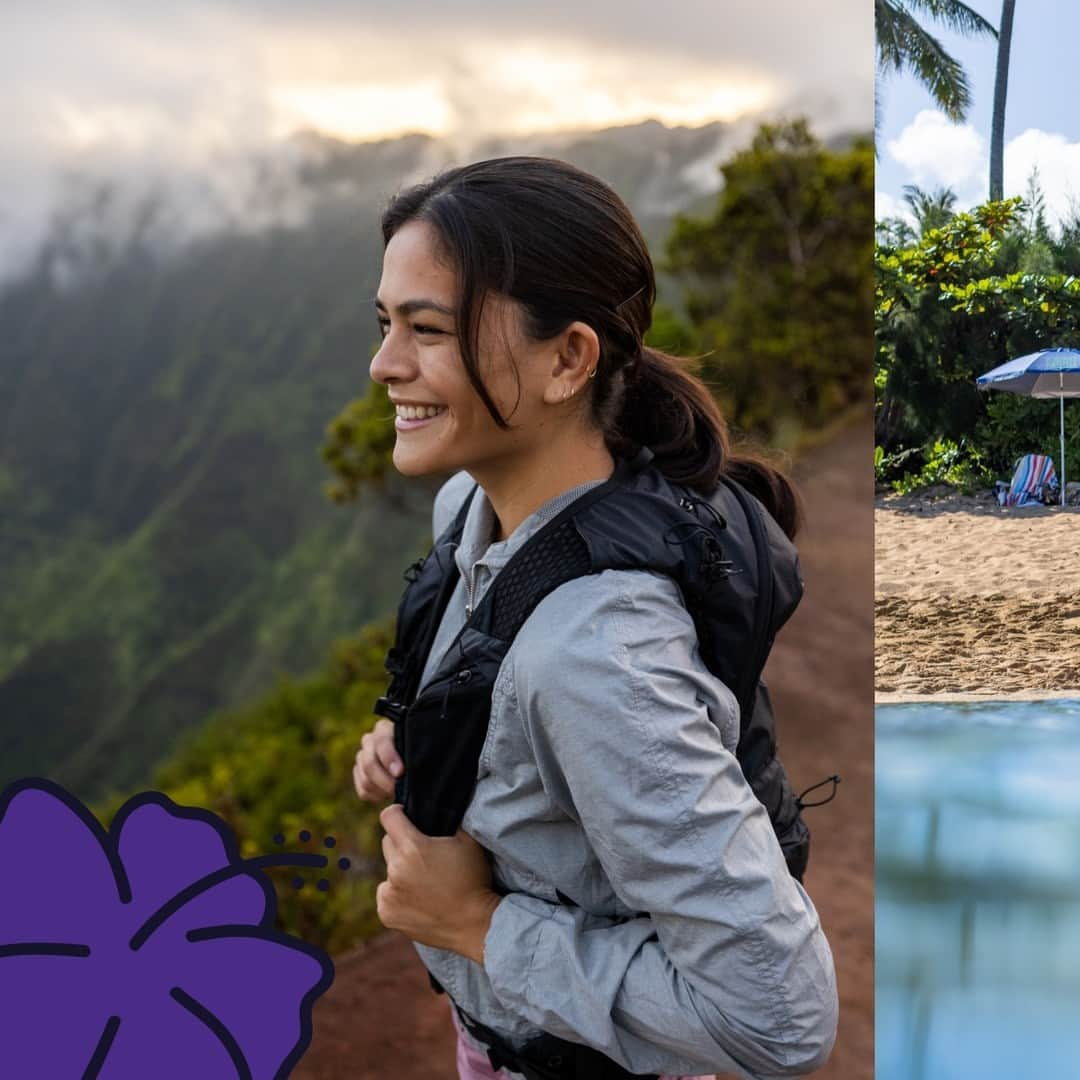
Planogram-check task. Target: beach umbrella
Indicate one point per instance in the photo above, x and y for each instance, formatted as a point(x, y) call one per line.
point(1051, 373)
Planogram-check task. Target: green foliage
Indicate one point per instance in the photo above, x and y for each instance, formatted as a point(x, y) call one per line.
point(779, 291)
point(952, 304)
point(932, 209)
point(165, 546)
point(359, 444)
point(284, 763)
point(1035, 221)
point(1016, 425)
point(669, 333)
point(960, 465)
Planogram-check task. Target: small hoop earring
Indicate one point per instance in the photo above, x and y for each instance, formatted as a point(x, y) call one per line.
point(565, 395)
point(592, 373)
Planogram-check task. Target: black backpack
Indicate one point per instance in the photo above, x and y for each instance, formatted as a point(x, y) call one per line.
point(738, 573)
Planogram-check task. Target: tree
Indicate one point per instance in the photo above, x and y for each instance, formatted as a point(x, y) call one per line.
point(1001, 84)
point(904, 45)
point(932, 209)
point(779, 283)
point(952, 305)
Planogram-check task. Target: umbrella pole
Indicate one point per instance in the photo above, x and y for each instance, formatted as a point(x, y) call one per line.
point(1061, 399)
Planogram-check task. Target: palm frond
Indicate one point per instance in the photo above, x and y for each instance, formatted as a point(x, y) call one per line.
point(903, 45)
point(954, 15)
point(886, 16)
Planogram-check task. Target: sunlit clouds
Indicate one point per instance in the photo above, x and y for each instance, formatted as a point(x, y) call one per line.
point(201, 97)
point(352, 89)
point(360, 112)
point(123, 74)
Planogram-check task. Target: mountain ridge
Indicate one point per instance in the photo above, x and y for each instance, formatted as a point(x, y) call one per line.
point(165, 544)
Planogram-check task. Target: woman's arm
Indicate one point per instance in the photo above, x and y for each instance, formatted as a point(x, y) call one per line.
point(729, 968)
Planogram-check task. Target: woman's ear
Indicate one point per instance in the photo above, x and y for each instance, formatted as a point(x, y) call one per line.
point(577, 352)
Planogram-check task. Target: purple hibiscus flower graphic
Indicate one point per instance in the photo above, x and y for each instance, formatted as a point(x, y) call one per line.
point(144, 951)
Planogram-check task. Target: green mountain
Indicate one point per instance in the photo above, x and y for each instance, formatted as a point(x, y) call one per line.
point(166, 546)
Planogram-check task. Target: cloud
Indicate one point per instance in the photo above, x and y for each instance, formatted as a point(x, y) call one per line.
point(937, 152)
point(888, 206)
point(189, 94)
point(1058, 162)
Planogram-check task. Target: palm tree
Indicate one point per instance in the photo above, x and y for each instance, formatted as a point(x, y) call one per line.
point(1001, 83)
point(903, 45)
point(931, 209)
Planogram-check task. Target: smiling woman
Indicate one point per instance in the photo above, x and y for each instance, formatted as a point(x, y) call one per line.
point(438, 393)
point(579, 751)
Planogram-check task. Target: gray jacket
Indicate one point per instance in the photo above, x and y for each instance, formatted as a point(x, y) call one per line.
point(608, 774)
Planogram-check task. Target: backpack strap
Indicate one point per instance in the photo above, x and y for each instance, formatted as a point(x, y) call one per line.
point(419, 616)
point(746, 692)
point(547, 1056)
point(554, 555)
point(444, 549)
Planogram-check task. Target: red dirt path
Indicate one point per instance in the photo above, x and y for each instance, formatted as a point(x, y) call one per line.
point(380, 1020)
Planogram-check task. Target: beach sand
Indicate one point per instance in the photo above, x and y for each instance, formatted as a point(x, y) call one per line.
point(975, 600)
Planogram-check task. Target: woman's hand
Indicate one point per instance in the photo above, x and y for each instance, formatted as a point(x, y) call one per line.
point(437, 889)
point(377, 763)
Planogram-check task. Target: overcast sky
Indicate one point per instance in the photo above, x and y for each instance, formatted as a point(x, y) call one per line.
point(918, 145)
point(161, 89)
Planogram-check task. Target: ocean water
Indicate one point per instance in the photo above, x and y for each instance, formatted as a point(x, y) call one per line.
point(977, 891)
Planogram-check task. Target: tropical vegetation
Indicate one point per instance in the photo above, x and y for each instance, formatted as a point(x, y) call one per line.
point(954, 300)
point(904, 44)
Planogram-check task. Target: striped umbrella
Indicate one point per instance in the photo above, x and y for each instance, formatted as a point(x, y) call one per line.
point(1051, 373)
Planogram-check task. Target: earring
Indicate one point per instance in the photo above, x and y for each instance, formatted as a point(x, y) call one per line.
point(565, 395)
point(592, 373)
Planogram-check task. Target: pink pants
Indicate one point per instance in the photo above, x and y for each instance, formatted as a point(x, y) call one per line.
point(473, 1064)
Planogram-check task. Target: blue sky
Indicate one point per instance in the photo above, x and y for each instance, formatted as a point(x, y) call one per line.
point(1042, 118)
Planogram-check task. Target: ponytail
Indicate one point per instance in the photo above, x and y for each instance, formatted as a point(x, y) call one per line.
point(664, 407)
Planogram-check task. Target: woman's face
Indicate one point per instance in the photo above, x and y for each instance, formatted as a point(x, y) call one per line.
point(442, 425)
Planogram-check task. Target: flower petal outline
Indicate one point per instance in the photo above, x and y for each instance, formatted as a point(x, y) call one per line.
point(230, 871)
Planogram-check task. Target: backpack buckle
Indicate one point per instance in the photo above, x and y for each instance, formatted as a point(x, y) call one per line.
point(392, 710)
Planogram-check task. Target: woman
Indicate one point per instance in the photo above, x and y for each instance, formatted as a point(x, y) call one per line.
point(614, 882)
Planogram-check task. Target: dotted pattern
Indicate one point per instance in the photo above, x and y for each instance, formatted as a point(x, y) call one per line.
point(304, 836)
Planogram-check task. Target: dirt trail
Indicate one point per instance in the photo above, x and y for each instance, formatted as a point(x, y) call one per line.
point(380, 1020)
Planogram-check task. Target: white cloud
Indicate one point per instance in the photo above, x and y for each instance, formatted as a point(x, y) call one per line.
point(937, 152)
point(1058, 161)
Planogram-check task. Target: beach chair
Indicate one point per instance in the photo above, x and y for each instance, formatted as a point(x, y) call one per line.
point(1034, 481)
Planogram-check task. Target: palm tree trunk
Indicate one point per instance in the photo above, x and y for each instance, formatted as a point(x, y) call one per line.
point(1001, 84)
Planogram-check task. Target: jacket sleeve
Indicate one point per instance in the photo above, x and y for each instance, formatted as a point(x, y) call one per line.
point(725, 966)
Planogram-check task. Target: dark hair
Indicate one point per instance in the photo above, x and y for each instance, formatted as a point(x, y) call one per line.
point(562, 244)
